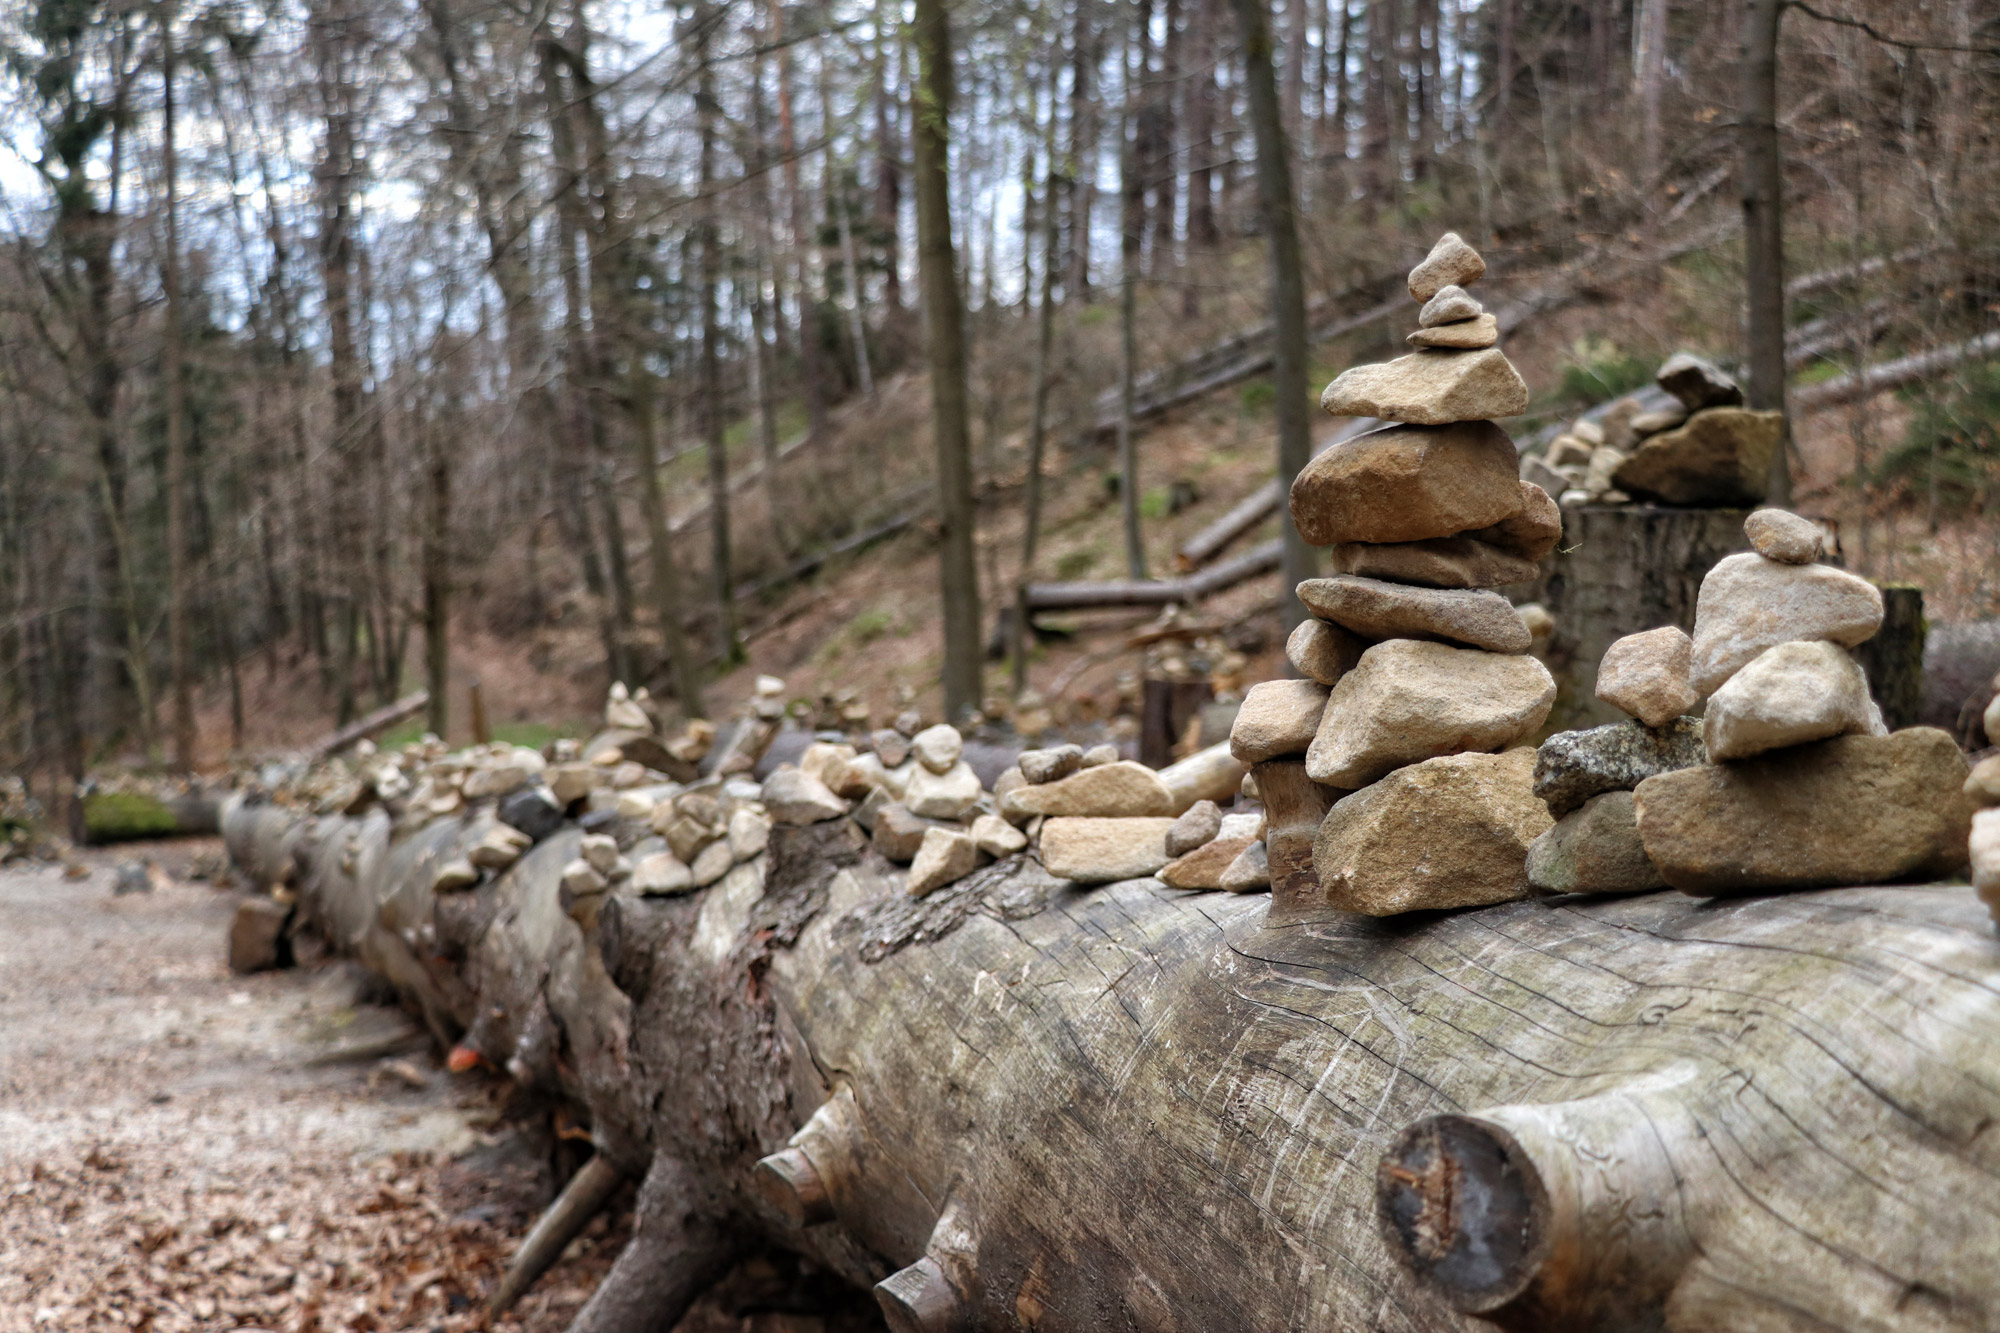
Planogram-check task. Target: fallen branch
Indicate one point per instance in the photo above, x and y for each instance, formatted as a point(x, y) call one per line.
point(1895, 374)
point(582, 1199)
point(1808, 283)
point(363, 728)
point(1079, 595)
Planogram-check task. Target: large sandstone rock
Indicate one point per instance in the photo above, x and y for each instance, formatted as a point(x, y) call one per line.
point(1748, 604)
point(1594, 849)
point(1697, 383)
point(1099, 851)
point(1441, 562)
point(1451, 263)
point(1323, 652)
point(1788, 695)
point(1721, 457)
point(1532, 532)
point(1278, 717)
point(1450, 832)
point(1378, 610)
point(1116, 790)
point(1203, 867)
point(1851, 810)
point(1573, 766)
point(1647, 675)
point(1430, 387)
point(1408, 701)
point(1408, 483)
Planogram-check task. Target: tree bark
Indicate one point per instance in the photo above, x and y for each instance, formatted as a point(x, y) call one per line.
point(1131, 236)
point(1038, 408)
point(945, 334)
point(1762, 184)
point(812, 376)
point(1602, 1114)
point(180, 667)
point(1278, 207)
point(713, 415)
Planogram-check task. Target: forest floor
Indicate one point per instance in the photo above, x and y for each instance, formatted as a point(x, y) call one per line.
point(170, 1157)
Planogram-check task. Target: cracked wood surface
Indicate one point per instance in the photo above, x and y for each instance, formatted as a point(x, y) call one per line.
point(1146, 1109)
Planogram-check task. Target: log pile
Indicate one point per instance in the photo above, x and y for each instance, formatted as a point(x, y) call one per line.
point(999, 1055)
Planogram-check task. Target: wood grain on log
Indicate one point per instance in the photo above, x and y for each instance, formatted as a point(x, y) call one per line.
point(1131, 1107)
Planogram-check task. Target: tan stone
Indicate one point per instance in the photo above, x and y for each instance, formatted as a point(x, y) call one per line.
point(1431, 387)
point(944, 857)
point(1441, 562)
point(1409, 701)
point(1197, 825)
point(1473, 334)
point(749, 833)
point(1114, 790)
point(937, 748)
point(1451, 262)
point(1595, 849)
point(1646, 675)
point(792, 797)
point(1446, 833)
point(1748, 604)
point(1567, 450)
point(1250, 872)
point(1721, 457)
point(454, 875)
point(1451, 305)
point(1983, 783)
point(715, 861)
point(1530, 533)
point(1277, 718)
point(1052, 764)
point(1204, 867)
point(1851, 810)
point(661, 874)
point(898, 833)
point(1779, 535)
point(1323, 652)
point(996, 837)
point(1408, 483)
point(1788, 695)
point(1652, 423)
point(1984, 849)
point(1099, 851)
point(1374, 609)
point(947, 795)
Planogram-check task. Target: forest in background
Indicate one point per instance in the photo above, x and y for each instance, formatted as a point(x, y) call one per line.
point(328, 330)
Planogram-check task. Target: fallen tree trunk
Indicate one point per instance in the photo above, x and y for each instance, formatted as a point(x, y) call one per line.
point(1259, 559)
point(367, 727)
point(1895, 374)
point(1019, 1103)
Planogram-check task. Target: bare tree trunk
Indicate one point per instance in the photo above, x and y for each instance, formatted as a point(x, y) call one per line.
point(1131, 229)
point(1649, 70)
point(1288, 297)
point(1086, 52)
point(888, 164)
point(812, 377)
point(944, 322)
point(857, 322)
point(1038, 411)
point(437, 578)
point(1762, 183)
point(640, 397)
point(180, 667)
point(713, 415)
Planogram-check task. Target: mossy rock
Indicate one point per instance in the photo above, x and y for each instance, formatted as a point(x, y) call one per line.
point(119, 816)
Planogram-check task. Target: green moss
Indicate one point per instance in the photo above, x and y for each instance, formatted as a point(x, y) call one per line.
point(118, 816)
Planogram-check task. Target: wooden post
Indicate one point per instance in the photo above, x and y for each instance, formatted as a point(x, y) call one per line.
point(476, 710)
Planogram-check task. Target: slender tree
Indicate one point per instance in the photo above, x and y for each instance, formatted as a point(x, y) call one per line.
point(1761, 180)
point(945, 338)
point(1288, 298)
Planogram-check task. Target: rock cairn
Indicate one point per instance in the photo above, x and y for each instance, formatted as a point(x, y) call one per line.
point(1982, 788)
point(1694, 444)
point(1392, 776)
point(1789, 780)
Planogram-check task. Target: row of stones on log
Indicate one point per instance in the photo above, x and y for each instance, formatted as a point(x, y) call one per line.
point(687, 1105)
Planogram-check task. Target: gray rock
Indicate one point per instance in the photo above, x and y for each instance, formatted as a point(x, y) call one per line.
point(1323, 652)
point(891, 747)
point(1594, 849)
point(1375, 609)
point(1451, 305)
point(1051, 764)
point(1573, 766)
point(792, 797)
point(1197, 825)
point(1698, 383)
point(534, 810)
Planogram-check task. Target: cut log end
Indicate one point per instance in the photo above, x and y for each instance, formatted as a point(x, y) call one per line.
point(920, 1299)
point(1464, 1210)
point(790, 1183)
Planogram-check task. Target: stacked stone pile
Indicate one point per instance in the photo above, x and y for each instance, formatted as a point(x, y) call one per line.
point(1693, 444)
point(1392, 774)
point(1788, 780)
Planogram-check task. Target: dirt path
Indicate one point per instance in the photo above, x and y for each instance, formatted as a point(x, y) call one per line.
point(169, 1160)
